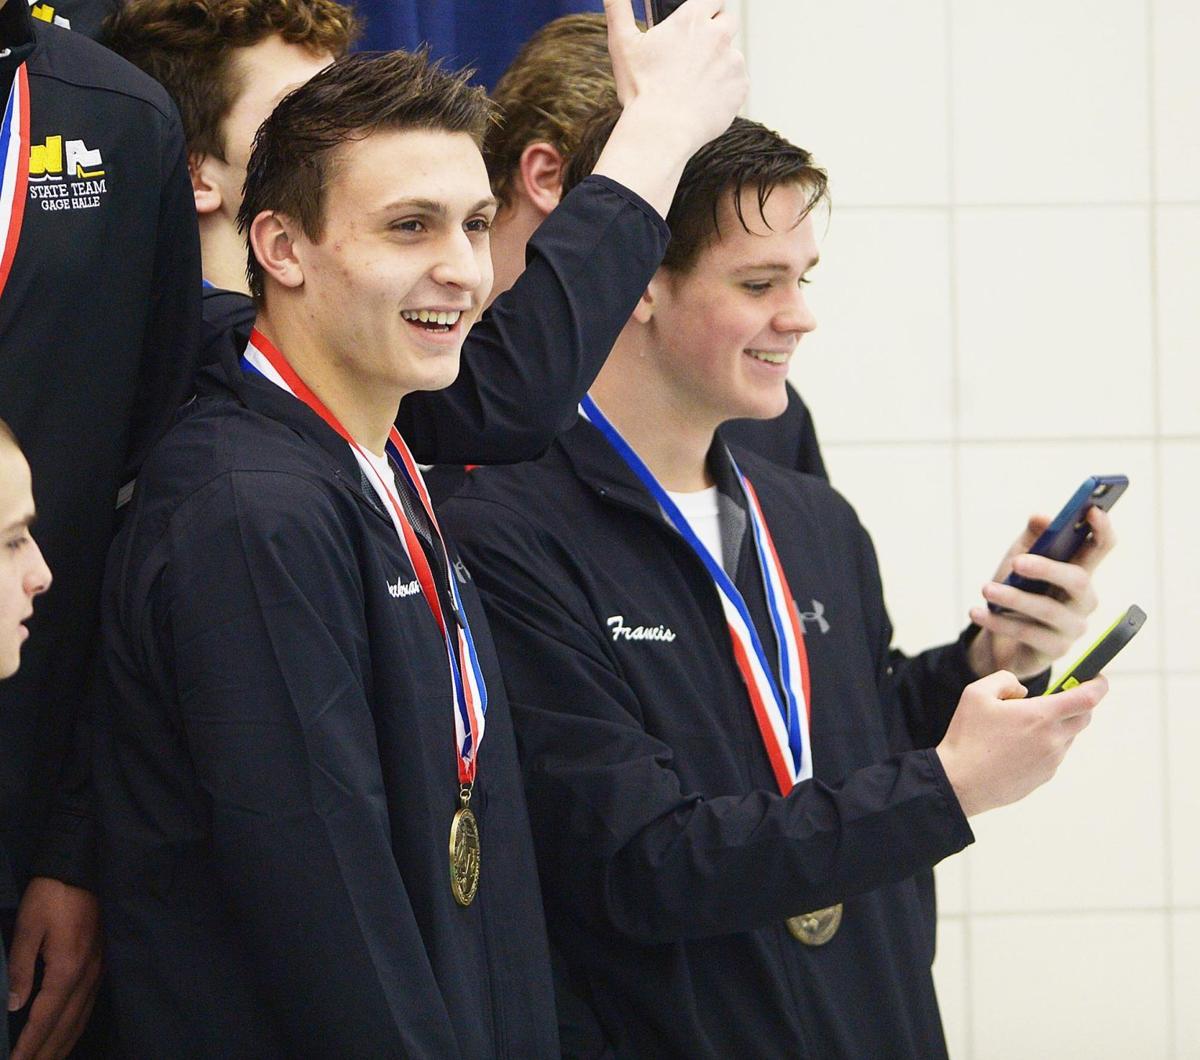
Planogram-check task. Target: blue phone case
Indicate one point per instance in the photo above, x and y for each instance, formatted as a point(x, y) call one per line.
point(1067, 533)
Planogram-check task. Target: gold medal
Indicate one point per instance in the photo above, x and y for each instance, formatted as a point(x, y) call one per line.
point(818, 927)
point(464, 853)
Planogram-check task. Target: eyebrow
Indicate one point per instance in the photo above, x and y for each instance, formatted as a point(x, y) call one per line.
point(438, 209)
point(774, 266)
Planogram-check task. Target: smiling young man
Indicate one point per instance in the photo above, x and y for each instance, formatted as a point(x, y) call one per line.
point(732, 817)
point(316, 836)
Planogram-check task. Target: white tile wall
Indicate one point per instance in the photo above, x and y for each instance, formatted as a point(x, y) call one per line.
point(1094, 836)
point(1186, 984)
point(1079, 987)
point(1181, 555)
point(883, 340)
point(1177, 99)
point(884, 62)
point(1183, 741)
point(881, 481)
point(1178, 256)
point(1054, 332)
point(1049, 101)
point(1008, 302)
point(950, 979)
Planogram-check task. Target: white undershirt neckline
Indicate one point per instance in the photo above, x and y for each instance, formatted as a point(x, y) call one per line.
point(702, 510)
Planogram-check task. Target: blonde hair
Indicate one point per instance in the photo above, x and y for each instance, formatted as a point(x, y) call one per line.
point(557, 82)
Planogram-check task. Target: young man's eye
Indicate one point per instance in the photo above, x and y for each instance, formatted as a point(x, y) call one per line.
point(408, 225)
point(761, 287)
point(15, 544)
point(478, 224)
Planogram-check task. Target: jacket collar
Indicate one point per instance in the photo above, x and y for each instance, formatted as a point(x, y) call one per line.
point(600, 467)
point(227, 379)
point(17, 40)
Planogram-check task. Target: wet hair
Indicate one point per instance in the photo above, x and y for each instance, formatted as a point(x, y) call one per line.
point(295, 151)
point(746, 156)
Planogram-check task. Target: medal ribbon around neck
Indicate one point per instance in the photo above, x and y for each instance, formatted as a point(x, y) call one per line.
point(782, 712)
point(466, 676)
point(14, 170)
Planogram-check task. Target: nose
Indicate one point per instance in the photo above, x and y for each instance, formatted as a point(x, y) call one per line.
point(459, 264)
point(38, 577)
point(796, 317)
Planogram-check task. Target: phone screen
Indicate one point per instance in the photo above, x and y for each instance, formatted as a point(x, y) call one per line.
point(657, 10)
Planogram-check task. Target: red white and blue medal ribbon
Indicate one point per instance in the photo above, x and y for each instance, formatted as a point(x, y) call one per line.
point(781, 707)
point(466, 675)
point(14, 170)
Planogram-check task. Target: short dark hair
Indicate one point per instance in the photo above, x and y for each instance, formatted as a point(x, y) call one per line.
point(746, 155)
point(188, 47)
point(294, 150)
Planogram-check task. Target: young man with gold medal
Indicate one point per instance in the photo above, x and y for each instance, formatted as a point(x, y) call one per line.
point(732, 802)
point(294, 823)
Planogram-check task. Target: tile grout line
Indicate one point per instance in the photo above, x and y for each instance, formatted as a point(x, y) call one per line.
point(1160, 529)
point(950, 213)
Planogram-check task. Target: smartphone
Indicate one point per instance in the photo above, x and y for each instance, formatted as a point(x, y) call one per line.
point(1100, 654)
point(1069, 530)
point(657, 10)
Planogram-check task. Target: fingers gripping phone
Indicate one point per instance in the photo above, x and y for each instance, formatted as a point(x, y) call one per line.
point(657, 10)
point(1100, 654)
point(1069, 530)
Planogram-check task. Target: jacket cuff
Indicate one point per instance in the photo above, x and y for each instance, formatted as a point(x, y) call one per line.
point(960, 834)
point(68, 851)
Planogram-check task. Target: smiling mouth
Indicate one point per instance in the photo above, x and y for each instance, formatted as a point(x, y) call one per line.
point(769, 357)
point(435, 320)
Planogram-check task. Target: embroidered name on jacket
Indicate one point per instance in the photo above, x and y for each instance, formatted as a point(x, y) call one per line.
point(620, 631)
point(401, 589)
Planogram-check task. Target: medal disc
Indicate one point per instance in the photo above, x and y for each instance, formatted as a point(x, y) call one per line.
point(818, 927)
point(464, 856)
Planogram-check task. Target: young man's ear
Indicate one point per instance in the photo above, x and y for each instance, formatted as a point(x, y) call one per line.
point(643, 312)
point(206, 189)
point(271, 237)
point(540, 175)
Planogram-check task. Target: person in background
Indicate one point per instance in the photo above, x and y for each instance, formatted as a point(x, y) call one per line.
point(99, 308)
point(305, 703)
point(23, 577)
point(734, 803)
point(227, 63)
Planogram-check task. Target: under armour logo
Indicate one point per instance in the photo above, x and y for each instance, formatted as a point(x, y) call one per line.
point(817, 615)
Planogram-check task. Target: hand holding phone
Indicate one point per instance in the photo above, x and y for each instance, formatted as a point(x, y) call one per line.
point(1100, 654)
point(657, 10)
point(1069, 531)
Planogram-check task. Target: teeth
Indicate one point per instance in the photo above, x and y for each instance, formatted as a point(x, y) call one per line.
point(427, 316)
point(770, 358)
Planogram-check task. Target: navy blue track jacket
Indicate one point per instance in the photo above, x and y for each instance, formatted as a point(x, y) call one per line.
point(277, 769)
point(668, 860)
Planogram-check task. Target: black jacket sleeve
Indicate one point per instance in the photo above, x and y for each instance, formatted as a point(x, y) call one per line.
point(260, 625)
point(619, 835)
point(166, 367)
point(531, 358)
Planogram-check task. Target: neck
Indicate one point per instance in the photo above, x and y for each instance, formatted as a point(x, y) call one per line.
point(223, 253)
point(662, 426)
point(364, 409)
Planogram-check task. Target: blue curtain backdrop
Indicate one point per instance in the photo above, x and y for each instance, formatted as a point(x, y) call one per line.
point(485, 34)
